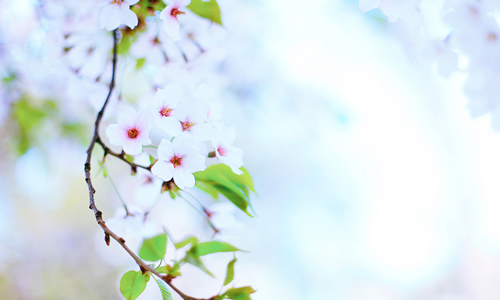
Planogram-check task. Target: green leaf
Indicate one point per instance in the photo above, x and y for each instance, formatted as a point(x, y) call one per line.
point(129, 158)
point(230, 272)
point(133, 284)
point(139, 63)
point(196, 261)
point(124, 44)
point(104, 172)
point(190, 240)
point(165, 293)
point(154, 249)
point(206, 9)
point(242, 293)
point(234, 187)
point(211, 247)
point(168, 269)
point(152, 159)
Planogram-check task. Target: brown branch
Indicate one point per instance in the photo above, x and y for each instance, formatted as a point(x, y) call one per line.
point(121, 156)
point(98, 214)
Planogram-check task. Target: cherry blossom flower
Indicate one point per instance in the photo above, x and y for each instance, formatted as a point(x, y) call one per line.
point(170, 19)
point(165, 104)
point(132, 131)
point(117, 12)
point(178, 160)
point(225, 151)
point(191, 115)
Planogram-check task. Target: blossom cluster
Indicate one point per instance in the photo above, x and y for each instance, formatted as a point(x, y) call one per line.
point(455, 35)
point(187, 124)
point(117, 12)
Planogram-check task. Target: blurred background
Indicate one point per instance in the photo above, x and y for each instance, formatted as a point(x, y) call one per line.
point(372, 180)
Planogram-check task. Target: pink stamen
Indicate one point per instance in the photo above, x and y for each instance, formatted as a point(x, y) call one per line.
point(186, 126)
point(175, 12)
point(165, 111)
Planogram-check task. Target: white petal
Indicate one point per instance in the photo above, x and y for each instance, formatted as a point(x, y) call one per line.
point(194, 162)
point(116, 135)
point(144, 120)
point(127, 16)
point(170, 125)
point(202, 132)
point(172, 28)
point(165, 150)
point(127, 117)
point(131, 2)
point(109, 18)
point(183, 178)
point(173, 93)
point(132, 146)
point(163, 170)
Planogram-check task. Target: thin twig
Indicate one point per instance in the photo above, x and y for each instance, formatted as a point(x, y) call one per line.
point(98, 214)
point(121, 156)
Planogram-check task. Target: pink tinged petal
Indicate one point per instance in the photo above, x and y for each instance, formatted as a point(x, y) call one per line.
point(132, 146)
point(183, 178)
point(165, 150)
point(184, 2)
point(172, 27)
point(366, 5)
point(116, 135)
point(127, 16)
point(109, 18)
point(163, 169)
point(233, 159)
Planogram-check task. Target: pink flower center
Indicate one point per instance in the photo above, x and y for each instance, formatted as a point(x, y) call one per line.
point(117, 2)
point(492, 37)
point(222, 151)
point(174, 12)
point(176, 161)
point(165, 111)
point(186, 126)
point(133, 133)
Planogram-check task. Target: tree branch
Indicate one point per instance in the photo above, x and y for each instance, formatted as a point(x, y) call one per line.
point(98, 214)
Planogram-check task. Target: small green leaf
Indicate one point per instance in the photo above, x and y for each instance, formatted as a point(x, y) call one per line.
point(133, 284)
point(234, 187)
point(129, 158)
point(242, 293)
point(152, 159)
point(230, 272)
point(154, 249)
point(165, 292)
point(124, 44)
point(211, 247)
point(168, 269)
point(206, 9)
point(190, 240)
point(104, 172)
point(196, 261)
point(139, 63)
